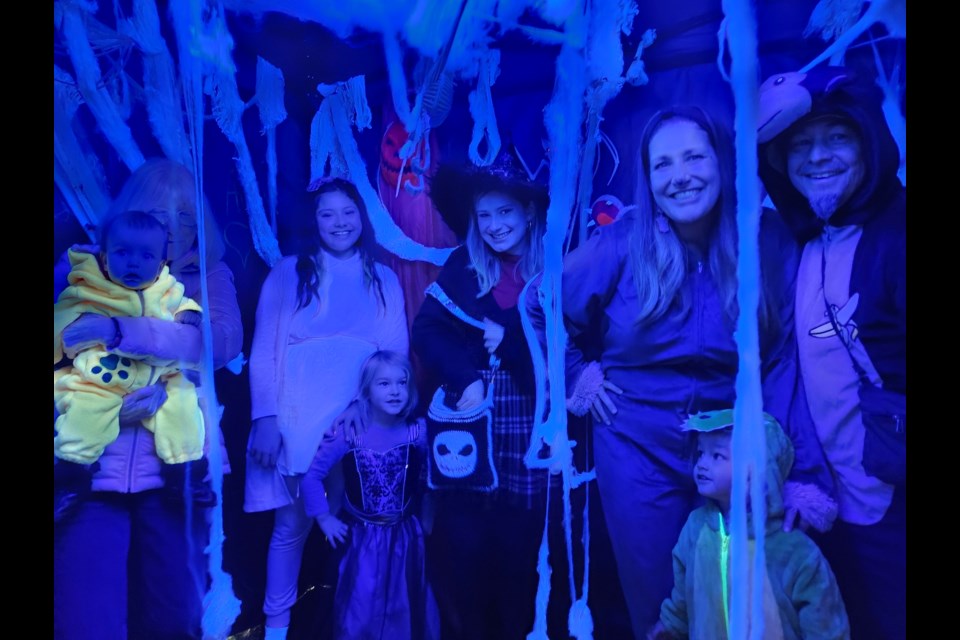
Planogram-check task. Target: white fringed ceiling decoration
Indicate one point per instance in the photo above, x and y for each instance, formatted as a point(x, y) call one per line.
point(454, 41)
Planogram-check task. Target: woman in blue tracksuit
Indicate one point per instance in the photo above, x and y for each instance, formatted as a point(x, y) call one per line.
point(654, 296)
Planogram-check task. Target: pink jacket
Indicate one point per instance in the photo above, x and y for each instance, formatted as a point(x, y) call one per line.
point(130, 464)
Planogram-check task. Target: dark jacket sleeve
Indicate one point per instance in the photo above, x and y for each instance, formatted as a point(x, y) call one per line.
point(589, 283)
point(513, 350)
point(444, 343)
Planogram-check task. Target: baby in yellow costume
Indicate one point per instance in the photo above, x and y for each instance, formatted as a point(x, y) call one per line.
point(133, 281)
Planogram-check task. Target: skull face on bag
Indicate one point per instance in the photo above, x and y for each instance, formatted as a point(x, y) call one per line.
point(455, 453)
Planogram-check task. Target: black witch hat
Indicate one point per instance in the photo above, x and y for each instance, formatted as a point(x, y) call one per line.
point(454, 189)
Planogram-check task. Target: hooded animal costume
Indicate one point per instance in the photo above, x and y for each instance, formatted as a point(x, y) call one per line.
point(89, 393)
point(856, 260)
point(850, 307)
point(801, 597)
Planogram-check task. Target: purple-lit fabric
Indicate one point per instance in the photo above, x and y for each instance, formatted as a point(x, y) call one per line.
point(669, 368)
point(292, 347)
point(96, 593)
point(453, 351)
point(382, 590)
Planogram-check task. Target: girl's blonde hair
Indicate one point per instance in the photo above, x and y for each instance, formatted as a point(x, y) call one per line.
point(369, 370)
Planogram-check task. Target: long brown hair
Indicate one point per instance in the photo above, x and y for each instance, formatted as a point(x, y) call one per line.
point(310, 258)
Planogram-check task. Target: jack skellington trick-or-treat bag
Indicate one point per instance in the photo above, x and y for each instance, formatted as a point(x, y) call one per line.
point(460, 442)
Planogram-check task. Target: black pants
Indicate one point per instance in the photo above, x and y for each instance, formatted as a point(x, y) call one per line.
point(482, 558)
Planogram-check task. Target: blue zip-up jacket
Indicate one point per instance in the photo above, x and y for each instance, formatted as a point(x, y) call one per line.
point(683, 363)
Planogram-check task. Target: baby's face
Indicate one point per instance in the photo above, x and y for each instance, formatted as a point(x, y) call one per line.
point(177, 213)
point(134, 257)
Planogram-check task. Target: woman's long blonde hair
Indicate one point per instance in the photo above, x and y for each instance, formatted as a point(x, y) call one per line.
point(484, 261)
point(658, 260)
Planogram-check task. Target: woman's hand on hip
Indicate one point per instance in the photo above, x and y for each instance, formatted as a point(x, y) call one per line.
point(472, 396)
point(265, 441)
point(603, 407)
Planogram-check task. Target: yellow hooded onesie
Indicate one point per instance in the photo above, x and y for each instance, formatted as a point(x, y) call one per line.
point(88, 395)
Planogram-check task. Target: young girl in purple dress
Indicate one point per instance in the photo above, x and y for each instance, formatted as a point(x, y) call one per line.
point(382, 590)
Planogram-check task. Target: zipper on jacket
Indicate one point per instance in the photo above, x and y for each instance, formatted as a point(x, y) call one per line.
point(136, 429)
point(133, 454)
point(698, 310)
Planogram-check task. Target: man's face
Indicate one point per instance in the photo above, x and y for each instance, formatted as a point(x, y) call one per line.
point(825, 163)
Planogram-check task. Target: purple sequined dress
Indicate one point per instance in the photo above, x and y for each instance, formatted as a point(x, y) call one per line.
point(382, 592)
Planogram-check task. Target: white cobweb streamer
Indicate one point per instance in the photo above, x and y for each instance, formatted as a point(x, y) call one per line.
point(891, 13)
point(749, 452)
point(482, 111)
point(565, 110)
point(272, 113)
point(228, 111)
point(90, 85)
point(77, 174)
point(220, 606)
point(160, 86)
point(335, 114)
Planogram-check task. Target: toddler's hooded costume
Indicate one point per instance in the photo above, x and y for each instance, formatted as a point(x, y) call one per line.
point(801, 597)
point(89, 393)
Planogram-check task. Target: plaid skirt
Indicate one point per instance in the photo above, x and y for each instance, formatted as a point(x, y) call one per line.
point(513, 413)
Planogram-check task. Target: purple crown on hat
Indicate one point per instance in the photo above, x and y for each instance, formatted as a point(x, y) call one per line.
point(506, 167)
point(453, 188)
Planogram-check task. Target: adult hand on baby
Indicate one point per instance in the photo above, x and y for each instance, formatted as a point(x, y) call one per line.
point(265, 441)
point(189, 316)
point(350, 421)
point(334, 529)
point(472, 396)
point(86, 248)
point(603, 408)
point(142, 404)
point(88, 330)
point(492, 335)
